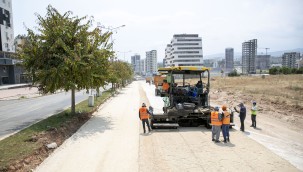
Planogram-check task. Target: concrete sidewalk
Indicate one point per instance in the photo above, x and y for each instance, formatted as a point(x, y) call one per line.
point(17, 91)
point(11, 86)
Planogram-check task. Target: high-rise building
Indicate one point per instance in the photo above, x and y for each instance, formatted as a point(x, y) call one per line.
point(229, 58)
point(142, 67)
point(184, 50)
point(249, 53)
point(135, 62)
point(151, 62)
point(263, 62)
point(10, 72)
point(6, 26)
point(289, 59)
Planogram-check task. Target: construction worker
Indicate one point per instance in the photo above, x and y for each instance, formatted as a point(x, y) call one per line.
point(144, 116)
point(165, 86)
point(225, 123)
point(216, 124)
point(242, 115)
point(254, 115)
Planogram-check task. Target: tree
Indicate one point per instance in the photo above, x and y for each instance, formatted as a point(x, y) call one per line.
point(274, 70)
point(233, 73)
point(64, 54)
point(120, 72)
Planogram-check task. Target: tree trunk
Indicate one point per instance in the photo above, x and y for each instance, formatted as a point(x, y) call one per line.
point(73, 107)
point(98, 91)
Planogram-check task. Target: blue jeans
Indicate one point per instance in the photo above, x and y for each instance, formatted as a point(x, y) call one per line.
point(225, 131)
point(147, 122)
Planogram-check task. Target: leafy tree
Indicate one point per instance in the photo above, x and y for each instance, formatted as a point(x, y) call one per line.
point(64, 54)
point(120, 72)
point(233, 73)
point(274, 70)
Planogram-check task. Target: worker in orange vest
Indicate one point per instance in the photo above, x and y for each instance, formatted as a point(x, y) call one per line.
point(225, 123)
point(216, 124)
point(144, 116)
point(165, 86)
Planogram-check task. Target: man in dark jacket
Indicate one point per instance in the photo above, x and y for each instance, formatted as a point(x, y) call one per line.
point(242, 115)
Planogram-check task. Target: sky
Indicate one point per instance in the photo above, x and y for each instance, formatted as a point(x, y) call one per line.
point(151, 24)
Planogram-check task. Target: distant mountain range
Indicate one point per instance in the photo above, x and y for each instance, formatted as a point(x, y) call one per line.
point(238, 55)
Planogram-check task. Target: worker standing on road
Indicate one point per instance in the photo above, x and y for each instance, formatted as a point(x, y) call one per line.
point(242, 114)
point(144, 116)
point(216, 124)
point(254, 115)
point(225, 123)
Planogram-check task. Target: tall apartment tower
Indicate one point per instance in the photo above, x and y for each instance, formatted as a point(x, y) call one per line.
point(135, 62)
point(151, 62)
point(6, 26)
point(184, 50)
point(142, 67)
point(249, 53)
point(289, 59)
point(229, 58)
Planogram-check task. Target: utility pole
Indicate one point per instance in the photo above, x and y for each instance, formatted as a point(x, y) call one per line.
point(124, 53)
point(266, 51)
point(111, 29)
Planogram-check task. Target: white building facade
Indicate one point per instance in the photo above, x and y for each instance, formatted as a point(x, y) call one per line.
point(151, 62)
point(184, 50)
point(6, 26)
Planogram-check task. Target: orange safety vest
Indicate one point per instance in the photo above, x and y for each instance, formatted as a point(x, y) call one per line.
point(143, 113)
point(165, 86)
point(226, 118)
point(215, 118)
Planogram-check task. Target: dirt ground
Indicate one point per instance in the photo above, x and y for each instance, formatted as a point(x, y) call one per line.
point(113, 140)
point(280, 116)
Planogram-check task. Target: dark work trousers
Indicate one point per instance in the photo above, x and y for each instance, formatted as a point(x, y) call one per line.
point(242, 128)
point(253, 121)
point(143, 123)
point(225, 131)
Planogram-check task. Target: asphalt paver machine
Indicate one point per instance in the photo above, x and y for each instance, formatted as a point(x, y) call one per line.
point(187, 100)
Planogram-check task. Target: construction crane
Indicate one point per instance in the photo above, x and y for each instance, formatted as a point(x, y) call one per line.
point(265, 50)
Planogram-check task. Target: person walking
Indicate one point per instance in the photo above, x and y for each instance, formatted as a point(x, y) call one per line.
point(254, 115)
point(242, 115)
point(144, 116)
point(225, 124)
point(216, 124)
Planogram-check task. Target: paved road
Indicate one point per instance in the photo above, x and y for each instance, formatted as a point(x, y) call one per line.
point(113, 140)
point(18, 114)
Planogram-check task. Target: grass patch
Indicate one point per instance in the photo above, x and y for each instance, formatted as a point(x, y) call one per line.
point(17, 147)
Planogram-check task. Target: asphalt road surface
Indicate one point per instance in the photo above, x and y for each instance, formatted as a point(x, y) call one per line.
point(113, 140)
point(18, 114)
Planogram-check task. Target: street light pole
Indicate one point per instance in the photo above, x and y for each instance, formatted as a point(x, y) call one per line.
point(111, 29)
point(124, 53)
